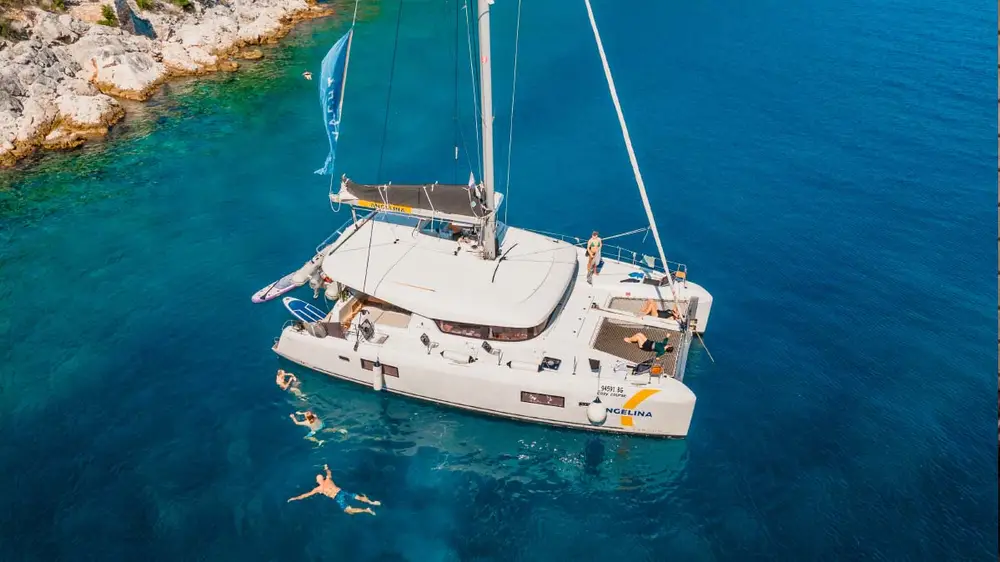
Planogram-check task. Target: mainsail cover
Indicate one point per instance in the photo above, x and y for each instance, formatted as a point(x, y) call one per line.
point(331, 94)
point(418, 199)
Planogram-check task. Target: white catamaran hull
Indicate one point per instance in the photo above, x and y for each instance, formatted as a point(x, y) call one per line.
point(663, 409)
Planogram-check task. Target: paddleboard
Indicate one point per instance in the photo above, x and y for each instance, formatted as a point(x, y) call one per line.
point(276, 289)
point(303, 310)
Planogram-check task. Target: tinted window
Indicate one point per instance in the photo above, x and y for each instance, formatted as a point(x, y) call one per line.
point(467, 330)
point(543, 399)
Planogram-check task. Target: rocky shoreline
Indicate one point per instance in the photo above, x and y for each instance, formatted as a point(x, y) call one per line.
point(60, 79)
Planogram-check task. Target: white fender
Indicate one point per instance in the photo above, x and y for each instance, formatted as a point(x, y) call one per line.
point(597, 414)
point(523, 366)
point(332, 291)
point(378, 378)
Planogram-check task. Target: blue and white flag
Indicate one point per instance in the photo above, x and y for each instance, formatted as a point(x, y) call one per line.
point(331, 94)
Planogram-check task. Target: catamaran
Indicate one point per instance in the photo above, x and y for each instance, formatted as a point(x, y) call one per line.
point(436, 299)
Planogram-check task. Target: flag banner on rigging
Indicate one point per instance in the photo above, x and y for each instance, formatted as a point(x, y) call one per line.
point(331, 94)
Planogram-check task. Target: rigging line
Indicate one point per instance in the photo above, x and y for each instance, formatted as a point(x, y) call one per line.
point(329, 191)
point(631, 152)
point(513, 93)
point(457, 118)
point(705, 346)
point(371, 234)
point(388, 97)
point(340, 108)
point(475, 92)
point(355, 18)
point(385, 126)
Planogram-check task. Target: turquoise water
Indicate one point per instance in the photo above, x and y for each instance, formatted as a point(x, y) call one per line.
point(824, 169)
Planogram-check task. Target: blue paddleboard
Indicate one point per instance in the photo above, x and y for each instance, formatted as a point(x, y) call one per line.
point(303, 310)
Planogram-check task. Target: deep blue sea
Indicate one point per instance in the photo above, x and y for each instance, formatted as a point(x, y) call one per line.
point(824, 168)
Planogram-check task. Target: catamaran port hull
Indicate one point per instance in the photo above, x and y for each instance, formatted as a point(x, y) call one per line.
point(487, 386)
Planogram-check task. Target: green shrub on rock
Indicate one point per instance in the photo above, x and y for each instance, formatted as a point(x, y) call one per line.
point(108, 16)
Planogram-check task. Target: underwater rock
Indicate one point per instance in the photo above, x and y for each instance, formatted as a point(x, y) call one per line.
point(250, 54)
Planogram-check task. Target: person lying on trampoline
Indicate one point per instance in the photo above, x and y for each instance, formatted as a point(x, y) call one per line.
point(646, 344)
point(649, 309)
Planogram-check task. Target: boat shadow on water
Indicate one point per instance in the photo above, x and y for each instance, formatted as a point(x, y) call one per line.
point(503, 449)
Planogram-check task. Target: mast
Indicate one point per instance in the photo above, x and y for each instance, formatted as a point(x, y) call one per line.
point(486, 105)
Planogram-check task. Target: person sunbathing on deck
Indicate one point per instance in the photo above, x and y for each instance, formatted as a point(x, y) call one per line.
point(289, 382)
point(649, 309)
point(327, 487)
point(646, 344)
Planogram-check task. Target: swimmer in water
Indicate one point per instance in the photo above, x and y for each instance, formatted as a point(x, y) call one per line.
point(307, 75)
point(289, 382)
point(309, 420)
point(326, 486)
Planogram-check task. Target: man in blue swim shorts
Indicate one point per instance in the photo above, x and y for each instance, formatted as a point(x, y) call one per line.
point(311, 421)
point(326, 486)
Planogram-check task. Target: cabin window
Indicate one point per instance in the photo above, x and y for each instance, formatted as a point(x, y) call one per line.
point(387, 370)
point(497, 333)
point(501, 333)
point(467, 330)
point(509, 334)
point(445, 229)
point(543, 399)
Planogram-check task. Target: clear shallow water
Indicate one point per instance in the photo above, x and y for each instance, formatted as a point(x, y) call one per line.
point(825, 170)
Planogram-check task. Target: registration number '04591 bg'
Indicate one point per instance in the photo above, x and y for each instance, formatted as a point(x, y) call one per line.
point(612, 390)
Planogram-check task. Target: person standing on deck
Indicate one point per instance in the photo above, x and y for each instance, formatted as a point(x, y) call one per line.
point(593, 255)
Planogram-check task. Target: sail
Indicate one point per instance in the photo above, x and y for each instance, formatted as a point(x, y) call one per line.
point(332, 78)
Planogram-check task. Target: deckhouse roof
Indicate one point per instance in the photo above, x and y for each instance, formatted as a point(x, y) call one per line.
point(422, 273)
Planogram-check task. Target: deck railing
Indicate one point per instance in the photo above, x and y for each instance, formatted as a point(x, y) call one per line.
point(340, 230)
point(625, 255)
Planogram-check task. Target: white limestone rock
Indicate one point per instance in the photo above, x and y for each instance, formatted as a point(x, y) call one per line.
point(189, 59)
point(50, 28)
point(110, 57)
point(216, 30)
point(202, 57)
point(36, 114)
point(175, 56)
point(55, 73)
point(96, 110)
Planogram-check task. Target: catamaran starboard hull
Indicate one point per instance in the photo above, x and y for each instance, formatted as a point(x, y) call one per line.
point(539, 397)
